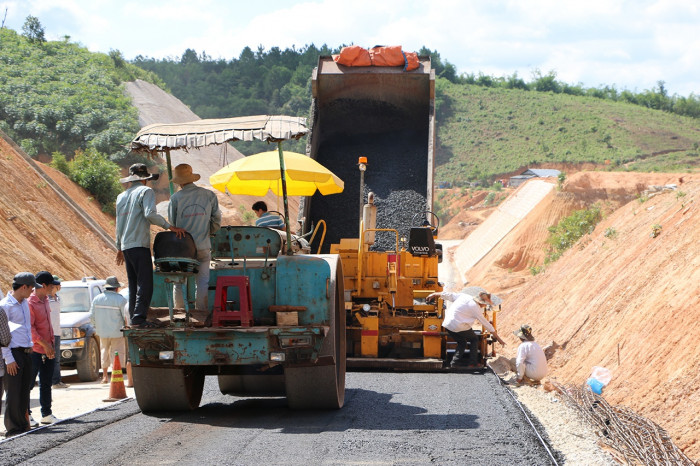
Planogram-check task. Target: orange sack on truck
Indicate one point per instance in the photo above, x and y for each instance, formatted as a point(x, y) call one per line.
point(387, 56)
point(353, 55)
point(411, 61)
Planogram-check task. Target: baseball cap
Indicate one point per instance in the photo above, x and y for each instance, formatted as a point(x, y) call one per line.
point(46, 278)
point(26, 278)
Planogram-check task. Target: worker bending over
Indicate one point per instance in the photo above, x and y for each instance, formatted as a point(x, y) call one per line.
point(459, 318)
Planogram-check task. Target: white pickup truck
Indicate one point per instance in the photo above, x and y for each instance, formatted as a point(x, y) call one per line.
point(80, 344)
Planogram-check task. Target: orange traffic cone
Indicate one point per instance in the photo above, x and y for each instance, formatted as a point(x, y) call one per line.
point(117, 391)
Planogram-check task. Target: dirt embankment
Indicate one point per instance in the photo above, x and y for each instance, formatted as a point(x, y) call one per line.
point(620, 298)
point(38, 231)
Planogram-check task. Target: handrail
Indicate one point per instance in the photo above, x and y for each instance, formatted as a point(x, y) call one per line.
point(385, 229)
point(323, 236)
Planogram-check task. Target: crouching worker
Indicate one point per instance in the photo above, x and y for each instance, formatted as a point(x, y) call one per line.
point(531, 362)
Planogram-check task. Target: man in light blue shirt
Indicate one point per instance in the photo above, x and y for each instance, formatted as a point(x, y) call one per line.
point(108, 314)
point(195, 209)
point(136, 211)
point(265, 218)
point(18, 355)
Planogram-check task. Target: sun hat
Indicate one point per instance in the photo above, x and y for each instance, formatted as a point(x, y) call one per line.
point(112, 283)
point(139, 172)
point(524, 333)
point(477, 290)
point(482, 297)
point(183, 174)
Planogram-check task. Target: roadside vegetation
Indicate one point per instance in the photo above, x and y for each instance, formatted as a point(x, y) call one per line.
point(569, 231)
point(485, 132)
point(94, 172)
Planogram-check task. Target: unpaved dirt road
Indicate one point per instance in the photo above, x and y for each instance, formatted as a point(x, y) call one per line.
point(388, 418)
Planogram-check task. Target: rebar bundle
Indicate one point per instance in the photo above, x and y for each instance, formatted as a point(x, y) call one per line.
point(636, 440)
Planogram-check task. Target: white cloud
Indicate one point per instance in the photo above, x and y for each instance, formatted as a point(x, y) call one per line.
point(632, 44)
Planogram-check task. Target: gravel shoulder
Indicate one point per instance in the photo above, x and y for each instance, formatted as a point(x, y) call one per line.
point(572, 440)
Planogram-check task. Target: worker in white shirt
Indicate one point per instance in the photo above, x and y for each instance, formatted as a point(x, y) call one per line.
point(531, 362)
point(459, 318)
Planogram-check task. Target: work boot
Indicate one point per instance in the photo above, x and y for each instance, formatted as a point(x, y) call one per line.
point(60, 385)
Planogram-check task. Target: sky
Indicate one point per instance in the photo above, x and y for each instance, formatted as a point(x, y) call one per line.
point(629, 44)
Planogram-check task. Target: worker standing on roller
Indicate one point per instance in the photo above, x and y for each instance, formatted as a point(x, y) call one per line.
point(136, 212)
point(195, 209)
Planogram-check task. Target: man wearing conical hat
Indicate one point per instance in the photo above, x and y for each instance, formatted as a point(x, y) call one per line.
point(195, 209)
point(136, 212)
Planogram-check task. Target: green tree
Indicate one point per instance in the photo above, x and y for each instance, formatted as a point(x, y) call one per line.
point(33, 30)
point(91, 170)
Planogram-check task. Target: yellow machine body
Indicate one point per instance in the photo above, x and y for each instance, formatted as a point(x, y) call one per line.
point(385, 300)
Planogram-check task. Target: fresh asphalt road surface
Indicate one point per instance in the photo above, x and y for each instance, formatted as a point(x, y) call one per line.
point(388, 418)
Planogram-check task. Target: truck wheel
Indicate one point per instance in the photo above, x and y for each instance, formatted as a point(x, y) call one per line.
point(323, 387)
point(89, 367)
point(167, 389)
point(259, 385)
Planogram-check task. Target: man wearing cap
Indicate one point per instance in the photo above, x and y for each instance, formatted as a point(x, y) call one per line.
point(18, 380)
point(55, 303)
point(42, 336)
point(108, 314)
point(136, 211)
point(459, 318)
point(195, 209)
point(531, 362)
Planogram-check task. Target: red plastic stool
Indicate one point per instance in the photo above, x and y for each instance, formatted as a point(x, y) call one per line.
point(221, 314)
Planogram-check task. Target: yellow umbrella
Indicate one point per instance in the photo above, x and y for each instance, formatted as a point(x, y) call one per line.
point(256, 174)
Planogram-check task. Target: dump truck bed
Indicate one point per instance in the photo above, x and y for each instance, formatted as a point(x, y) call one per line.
point(382, 113)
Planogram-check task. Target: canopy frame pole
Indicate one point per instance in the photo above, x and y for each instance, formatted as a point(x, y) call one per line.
point(284, 197)
point(170, 171)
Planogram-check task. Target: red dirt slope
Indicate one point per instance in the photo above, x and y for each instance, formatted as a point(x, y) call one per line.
point(627, 291)
point(38, 231)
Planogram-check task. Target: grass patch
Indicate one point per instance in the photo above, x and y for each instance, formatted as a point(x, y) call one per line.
point(570, 229)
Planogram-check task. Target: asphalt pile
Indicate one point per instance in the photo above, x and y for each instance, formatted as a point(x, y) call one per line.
point(396, 174)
